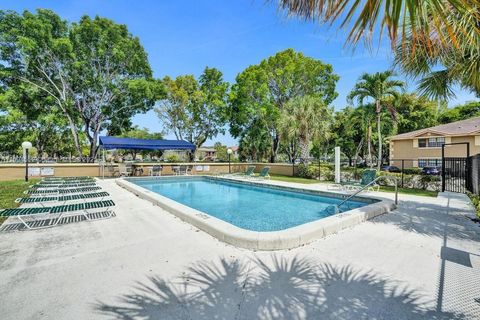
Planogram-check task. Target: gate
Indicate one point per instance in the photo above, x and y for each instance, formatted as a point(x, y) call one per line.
point(456, 176)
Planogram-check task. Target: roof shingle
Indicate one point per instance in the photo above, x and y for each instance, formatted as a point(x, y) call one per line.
point(463, 127)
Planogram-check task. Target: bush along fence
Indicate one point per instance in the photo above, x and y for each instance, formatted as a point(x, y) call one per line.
point(411, 178)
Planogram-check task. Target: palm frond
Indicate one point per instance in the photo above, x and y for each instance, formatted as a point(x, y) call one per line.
point(364, 18)
point(437, 85)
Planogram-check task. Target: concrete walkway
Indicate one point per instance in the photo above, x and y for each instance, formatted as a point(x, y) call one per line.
point(421, 261)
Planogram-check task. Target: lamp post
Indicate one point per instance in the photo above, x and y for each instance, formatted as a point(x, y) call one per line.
point(229, 151)
point(25, 146)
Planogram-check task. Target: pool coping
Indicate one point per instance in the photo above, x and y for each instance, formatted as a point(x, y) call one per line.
point(268, 240)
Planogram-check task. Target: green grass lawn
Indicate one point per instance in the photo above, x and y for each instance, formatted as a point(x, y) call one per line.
point(418, 192)
point(415, 192)
point(11, 190)
point(278, 177)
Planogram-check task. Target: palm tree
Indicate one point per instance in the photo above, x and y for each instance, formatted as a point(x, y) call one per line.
point(305, 119)
point(425, 35)
point(428, 20)
point(459, 61)
point(379, 87)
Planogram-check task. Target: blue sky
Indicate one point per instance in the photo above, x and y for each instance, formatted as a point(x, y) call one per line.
point(182, 37)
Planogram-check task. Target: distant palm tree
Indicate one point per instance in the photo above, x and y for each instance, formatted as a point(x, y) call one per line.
point(306, 119)
point(379, 87)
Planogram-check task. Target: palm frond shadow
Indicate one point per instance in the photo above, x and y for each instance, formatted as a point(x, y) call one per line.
point(431, 220)
point(273, 288)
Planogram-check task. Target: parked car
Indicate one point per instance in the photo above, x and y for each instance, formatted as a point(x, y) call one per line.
point(431, 171)
point(391, 169)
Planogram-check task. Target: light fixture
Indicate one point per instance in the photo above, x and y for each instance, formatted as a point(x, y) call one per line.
point(25, 146)
point(229, 151)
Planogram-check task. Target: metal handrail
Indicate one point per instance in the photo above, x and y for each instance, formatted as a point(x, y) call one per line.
point(366, 186)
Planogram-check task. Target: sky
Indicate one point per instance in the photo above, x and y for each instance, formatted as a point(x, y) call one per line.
point(183, 37)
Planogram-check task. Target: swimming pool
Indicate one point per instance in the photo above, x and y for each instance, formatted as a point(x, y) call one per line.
point(254, 215)
point(251, 207)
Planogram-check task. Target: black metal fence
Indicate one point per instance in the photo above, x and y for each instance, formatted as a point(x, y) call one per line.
point(455, 174)
point(474, 171)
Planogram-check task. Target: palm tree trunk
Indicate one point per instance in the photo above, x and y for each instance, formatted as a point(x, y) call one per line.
point(304, 149)
point(369, 145)
point(379, 132)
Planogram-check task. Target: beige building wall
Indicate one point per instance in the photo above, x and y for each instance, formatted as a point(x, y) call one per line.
point(408, 149)
point(17, 171)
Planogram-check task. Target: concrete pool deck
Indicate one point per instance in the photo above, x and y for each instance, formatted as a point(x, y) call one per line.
point(420, 261)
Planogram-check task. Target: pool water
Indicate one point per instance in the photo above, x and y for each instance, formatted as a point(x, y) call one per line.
point(256, 208)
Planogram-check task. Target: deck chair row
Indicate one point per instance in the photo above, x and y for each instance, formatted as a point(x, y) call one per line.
point(66, 178)
point(53, 191)
point(62, 186)
point(84, 208)
point(70, 197)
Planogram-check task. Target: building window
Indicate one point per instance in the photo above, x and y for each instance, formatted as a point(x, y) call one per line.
point(431, 142)
point(429, 163)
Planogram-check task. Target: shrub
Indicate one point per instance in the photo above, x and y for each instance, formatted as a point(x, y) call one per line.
point(172, 157)
point(311, 171)
point(475, 201)
point(412, 171)
point(426, 180)
point(413, 181)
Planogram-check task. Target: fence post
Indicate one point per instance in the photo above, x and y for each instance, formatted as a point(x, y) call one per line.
point(468, 175)
point(318, 169)
point(443, 168)
point(403, 166)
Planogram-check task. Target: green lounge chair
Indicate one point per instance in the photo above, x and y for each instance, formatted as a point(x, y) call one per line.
point(66, 178)
point(69, 197)
point(49, 182)
point(59, 182)
point(368, 177)
point(51, 191)
point(250, 171)
point(247, 173)
point(84, 208)
point(263, 174)
point(62, 186)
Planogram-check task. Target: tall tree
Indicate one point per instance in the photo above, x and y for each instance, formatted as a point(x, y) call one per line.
point(261, 91)
point(414, 113)
point(195, 110)
point(347, 132)
point(255, 143)
point(378, 87)
point(93, 70)
point(23, 119)
point(461, 112)
point(220, 151)
point(306, 119)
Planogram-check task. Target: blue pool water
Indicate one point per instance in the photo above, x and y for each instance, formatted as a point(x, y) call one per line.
point(257, 208)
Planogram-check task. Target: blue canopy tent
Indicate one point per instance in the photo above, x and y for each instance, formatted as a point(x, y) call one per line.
point(110, 143)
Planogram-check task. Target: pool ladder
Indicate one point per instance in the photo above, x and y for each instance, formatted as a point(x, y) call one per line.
point(337, 206)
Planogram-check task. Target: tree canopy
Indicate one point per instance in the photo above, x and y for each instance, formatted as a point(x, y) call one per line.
point(305, 120)
point(94, 72)
point(379, 87)
point(261, 92)
point(194, 110)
